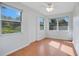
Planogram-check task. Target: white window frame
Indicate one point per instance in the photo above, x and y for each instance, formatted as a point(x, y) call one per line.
point(2, 4)
point(68, 27)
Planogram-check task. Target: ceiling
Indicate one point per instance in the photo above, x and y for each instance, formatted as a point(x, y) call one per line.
point(59, 7)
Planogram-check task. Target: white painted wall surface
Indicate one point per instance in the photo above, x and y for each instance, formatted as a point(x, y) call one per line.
point(12, 42)
point(65, 35)
point(76, 29)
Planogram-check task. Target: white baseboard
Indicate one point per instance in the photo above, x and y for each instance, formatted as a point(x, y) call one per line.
point(17, 49)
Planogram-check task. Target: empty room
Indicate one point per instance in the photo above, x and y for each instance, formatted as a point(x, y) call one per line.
point(39, 28)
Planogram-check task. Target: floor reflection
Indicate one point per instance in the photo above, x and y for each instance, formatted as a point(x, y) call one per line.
point(47, 47)
point(41, 50)
point(67, 49)
point(54, 44)
point(63, 47)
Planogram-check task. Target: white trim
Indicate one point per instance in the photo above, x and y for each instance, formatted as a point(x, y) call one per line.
point(17, 49)
point(57, 26)
point(0, 27)
point(11, 20)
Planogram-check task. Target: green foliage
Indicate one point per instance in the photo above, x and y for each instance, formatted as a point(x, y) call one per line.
point(10, 28)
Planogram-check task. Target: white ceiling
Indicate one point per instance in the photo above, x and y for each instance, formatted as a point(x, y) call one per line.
point(59, 7)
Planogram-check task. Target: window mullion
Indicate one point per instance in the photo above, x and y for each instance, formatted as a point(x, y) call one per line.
point(57, 25)
point(0, 27)
point(68, 25)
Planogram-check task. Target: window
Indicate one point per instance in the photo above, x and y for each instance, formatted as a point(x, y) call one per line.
point(63, 23)
point(10, 19)
point(53, 24)
point(41, 23)
point(60, 23)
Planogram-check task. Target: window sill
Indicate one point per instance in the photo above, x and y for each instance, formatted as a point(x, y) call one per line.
point(18, 33)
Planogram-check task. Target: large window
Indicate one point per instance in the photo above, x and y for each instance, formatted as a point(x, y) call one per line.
point(60, 23)
point(10, 19)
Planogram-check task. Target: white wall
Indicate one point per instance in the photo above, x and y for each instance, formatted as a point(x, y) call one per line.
point(76, 28)
point(12, 42)
point(60, 34)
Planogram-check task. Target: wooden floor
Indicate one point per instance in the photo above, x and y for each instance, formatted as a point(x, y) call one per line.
point(47, 47)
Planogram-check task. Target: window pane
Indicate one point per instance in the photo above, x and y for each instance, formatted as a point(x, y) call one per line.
point(11, 27)
point(41, 23)
point(63, 23)
point(53, 24)
point(9, 13)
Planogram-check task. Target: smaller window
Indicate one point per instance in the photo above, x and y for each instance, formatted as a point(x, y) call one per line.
point(53, 24)
point(41, 23)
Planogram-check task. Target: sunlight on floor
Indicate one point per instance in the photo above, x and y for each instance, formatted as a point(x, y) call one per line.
point(54, 44)
point(62, 47)
point(67, 49)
